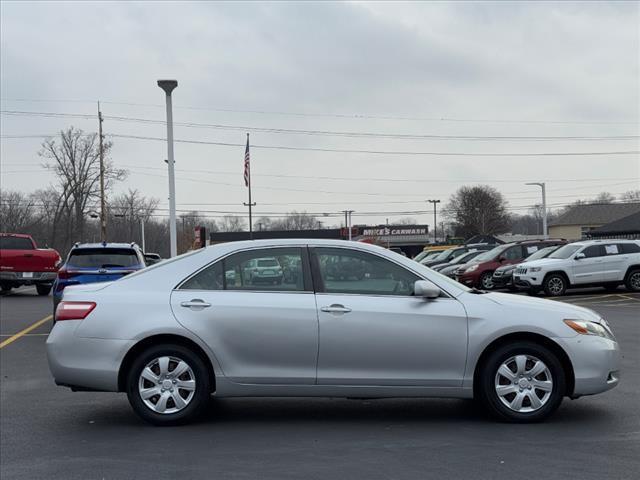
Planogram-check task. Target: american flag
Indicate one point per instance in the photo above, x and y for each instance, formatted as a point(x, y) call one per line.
point(247, 174)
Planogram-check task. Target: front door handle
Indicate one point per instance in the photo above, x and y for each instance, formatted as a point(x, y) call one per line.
point(195, 304)
point(336, 308)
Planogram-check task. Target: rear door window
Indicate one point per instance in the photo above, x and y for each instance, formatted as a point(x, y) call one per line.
point(611, 249)
point(103, 258)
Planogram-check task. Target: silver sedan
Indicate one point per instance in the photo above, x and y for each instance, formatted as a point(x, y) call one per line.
point(347, 320)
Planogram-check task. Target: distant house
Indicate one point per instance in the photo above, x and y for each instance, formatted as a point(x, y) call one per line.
point(579, 221)
point(626, 227)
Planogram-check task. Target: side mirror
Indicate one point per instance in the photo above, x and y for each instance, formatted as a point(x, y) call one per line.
point(579, 256)
point(149, 260)
point(425, 289)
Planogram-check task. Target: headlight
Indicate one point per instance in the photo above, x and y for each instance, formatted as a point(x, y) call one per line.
point(585, 327)
point(471, 268)
point(535, 269)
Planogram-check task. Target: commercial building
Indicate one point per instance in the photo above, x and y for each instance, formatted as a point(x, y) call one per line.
point(579, 221)
point(627, 227)
point(410, 239)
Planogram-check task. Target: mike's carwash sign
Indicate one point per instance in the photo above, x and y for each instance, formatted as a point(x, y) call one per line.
point(396, 231)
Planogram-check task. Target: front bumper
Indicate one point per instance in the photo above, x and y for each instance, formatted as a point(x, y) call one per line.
point(87, 363)
point(596, 363)
point(27, 278)
point(470, 280)
point(502, 281)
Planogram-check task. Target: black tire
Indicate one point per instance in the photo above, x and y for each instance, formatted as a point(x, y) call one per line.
point(485, 388)
point(632, 281)
point(486, 280)
point(6, 288)
point(612, 287)
point(43, 290)
point(554, 285)
point(198, 402)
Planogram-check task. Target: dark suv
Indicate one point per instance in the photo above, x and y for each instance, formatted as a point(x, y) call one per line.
point(480, 274)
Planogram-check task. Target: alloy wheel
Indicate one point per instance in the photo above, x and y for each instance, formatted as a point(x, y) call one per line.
point(555, 285)
point(487, 281)
point(523, 383)
point(634, 281)
point(167, 384)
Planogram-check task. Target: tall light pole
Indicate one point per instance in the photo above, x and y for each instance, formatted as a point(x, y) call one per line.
point(542, 185)
point(168, 86)
point(144, 249)
point(435, 224)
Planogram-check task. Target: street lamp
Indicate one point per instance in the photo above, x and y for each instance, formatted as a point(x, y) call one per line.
point(542, 185)
point(168, 86)
point(435, 224)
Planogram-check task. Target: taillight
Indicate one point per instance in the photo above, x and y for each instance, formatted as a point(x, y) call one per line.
point(74, 310)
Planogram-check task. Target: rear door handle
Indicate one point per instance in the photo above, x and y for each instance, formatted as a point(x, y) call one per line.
point(336, 308)
point(195, 304)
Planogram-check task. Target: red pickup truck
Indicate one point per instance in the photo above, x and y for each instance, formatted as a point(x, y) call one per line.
point(22, 263)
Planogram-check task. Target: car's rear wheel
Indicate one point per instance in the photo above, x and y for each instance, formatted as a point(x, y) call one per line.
point(486, 280)
point(554, 285)
point(632, 282)
point(522, 382)
point(168, 385)
point(43, 289)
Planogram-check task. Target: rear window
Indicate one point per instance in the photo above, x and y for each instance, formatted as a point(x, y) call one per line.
point(269, 262)
point(629, 247)
point(15, 243)
point(103, 258)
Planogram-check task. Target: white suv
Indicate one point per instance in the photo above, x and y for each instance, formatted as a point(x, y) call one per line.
point(606, 263)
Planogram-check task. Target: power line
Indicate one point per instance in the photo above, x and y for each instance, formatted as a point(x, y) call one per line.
point(348, 134)
point(339, 115)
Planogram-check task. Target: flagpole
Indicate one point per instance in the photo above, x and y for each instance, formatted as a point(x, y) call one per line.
point(248, 181)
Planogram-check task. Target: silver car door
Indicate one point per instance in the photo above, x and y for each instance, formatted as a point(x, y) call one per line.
point(589, 268)
point(262, 328)
point(374, 332)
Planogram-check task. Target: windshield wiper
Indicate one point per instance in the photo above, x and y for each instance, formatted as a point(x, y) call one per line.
point(107, 265)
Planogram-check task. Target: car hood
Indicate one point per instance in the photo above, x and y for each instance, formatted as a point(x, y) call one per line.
point(543, 262)
point(521, 301)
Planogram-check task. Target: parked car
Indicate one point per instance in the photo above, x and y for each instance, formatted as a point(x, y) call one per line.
point(152, 258)
point(426, 254)
point(263, 270)
point(606, 263)
point(449, 269)
point(450, 254)
point(23, 263)
point(97, 262)
point(480, 274)
point(503, 276)
point(173, 334)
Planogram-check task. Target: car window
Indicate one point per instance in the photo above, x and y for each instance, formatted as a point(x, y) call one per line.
point(629, 247)
point(513, 253)
point(103, 258)
point(15, 243)
point(593, 251)
point(277, 269)
point(611, 249)
point(350, 271)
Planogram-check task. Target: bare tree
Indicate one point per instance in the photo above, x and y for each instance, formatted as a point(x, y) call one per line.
point(604, 197)
point(630, 196)
point(231, 223)
point(476, 210)
point(17, 211)
point(74, 158)
point(406, 221)
point(295, 221)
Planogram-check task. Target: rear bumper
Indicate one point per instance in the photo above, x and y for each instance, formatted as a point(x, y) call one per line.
point(84, 363)
point(27, 278)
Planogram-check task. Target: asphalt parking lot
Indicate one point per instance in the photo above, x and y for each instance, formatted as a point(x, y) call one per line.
point(50, 432)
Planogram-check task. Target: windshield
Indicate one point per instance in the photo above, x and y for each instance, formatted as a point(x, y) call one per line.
point(446, 254)
point(566, 251)
point(465, 258)
point(103, 258)
point(542, 253)
point(493, 253)
point(420, 256)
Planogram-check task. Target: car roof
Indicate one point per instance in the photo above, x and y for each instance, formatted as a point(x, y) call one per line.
point(19, 235)
point(105, 245)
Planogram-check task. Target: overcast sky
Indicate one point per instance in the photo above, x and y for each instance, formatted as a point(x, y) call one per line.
point(424, 69)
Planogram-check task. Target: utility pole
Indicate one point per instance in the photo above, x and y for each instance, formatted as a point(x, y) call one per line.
point(350, 224)
point(542, 185)
point(347, 221)
point(144, 249)
point(168, 86)
point(435, 224)
point(103, 219)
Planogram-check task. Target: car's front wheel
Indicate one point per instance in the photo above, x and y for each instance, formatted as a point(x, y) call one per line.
point(486, 280)
point(523, 382)
point(554, 285)
point(168, 385)
point(43, 289)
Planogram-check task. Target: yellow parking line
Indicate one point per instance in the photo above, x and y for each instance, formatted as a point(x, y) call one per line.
point(25, 331)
